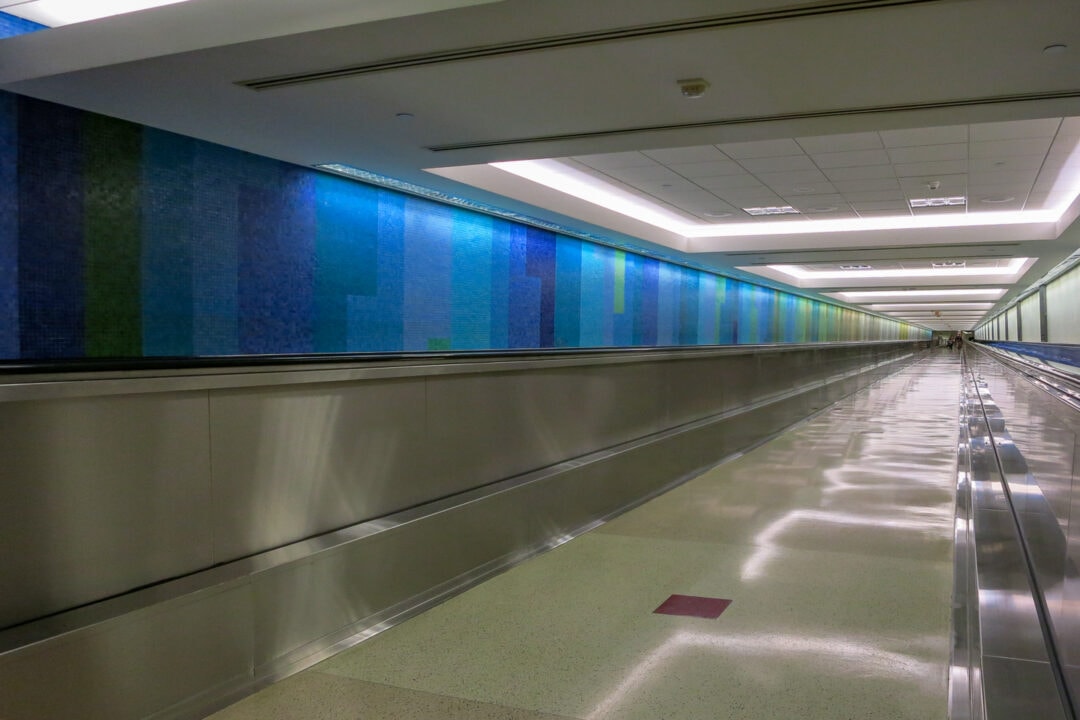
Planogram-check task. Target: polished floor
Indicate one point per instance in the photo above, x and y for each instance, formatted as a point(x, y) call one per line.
point(833, 543)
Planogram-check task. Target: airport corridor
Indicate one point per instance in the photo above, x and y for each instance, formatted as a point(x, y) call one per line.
point(809, 577)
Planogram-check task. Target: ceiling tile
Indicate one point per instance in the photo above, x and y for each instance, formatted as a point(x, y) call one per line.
point(611, 161)
point(707, 169)
point(1042, 128)
point(788, 163)
point(1058, 163)
point(929, 153)
point(761, 149)
point(823, 199)
point(896, 195)
point(1005, 148)
point(729, 182)
point(868, 185)
point(950, 185)
point(665, 188)
point(707, 204)
point(976, 194)
point(748, 197)
point(805, 189)
point(788, 181)
point(851, 158)
point(1023, 178)
point(1014, 162)
point(1040, 200)
point(699, 154)
point(886, 206)
point(1065, 145)
point(1061, 178)
point(924, 136)
point(818, 204)
point(839, 143)
point(1070, 126)
point(1017, 203)
point(644, 172)
point(860, 173)
point(933, 168)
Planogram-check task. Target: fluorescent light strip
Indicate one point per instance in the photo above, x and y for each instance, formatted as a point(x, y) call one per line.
point(795, 271)
point(67, 12)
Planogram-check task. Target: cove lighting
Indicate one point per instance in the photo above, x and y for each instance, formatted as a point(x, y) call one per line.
point(993, 293)
point(564, 177)
point(66, 12)
point(795, 271)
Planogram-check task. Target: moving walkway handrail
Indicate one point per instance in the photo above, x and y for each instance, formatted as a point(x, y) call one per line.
point(1063, 385)
point(999, 437)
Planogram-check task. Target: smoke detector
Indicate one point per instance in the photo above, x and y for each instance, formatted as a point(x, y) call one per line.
point(693, 88)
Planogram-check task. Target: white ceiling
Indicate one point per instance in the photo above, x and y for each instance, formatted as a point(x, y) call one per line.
point(852, 105)
point(998, 166)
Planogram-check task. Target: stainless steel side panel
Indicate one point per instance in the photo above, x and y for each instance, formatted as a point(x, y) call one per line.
point(178, 653)
point(100, 495)
point(486, 427)
point(257, 466)
point(293, 462)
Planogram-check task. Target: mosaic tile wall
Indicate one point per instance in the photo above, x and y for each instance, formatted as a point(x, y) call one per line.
point(11, 25)
point(118, 240)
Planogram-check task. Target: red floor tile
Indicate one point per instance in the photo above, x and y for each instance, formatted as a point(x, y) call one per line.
point(693, 606)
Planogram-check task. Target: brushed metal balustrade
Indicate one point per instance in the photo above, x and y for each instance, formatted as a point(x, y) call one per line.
point(225, 528)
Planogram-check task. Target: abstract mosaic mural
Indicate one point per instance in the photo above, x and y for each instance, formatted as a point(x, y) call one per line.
point(118, 240)
point(11, 25)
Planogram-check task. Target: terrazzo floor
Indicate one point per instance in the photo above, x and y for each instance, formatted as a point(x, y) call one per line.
point(833, 541)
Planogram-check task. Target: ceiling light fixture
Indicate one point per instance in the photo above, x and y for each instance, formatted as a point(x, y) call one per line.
point(716, 214)
point(771, 210)
point(693, 88)
point(55, 13)
point(856, 267)
point(1055, 49)
point(955, 263)
point(937, 201)
point(997, 200)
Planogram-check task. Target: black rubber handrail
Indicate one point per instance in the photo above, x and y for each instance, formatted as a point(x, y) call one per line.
point(64, 365)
